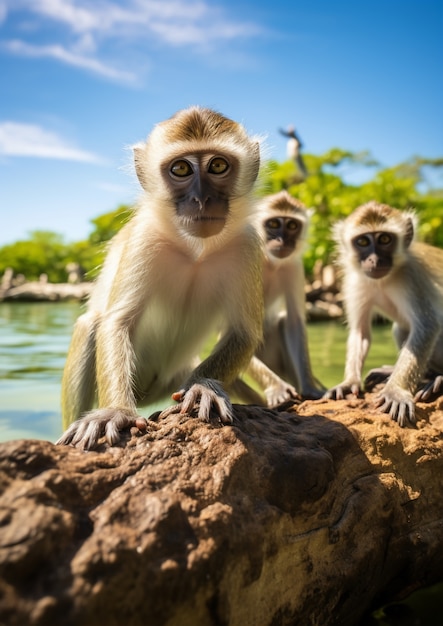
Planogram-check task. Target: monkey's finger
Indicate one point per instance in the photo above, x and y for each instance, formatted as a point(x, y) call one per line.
point(178, 395)
point(93, 433)
point(171, 410)
point(339, 393)
point(206, 402)
point(80, 430)
point(67, 436)
point(189, 401)
point(406, 411)
point(224, 409)
point(355, 390)
point(424, 394)
point(398, 412)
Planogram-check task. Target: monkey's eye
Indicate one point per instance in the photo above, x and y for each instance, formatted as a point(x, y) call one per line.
point(292, 225)
point(218, 166)
point(385, 239)
point(363, 241)
point(181, 168)
point(272, 223)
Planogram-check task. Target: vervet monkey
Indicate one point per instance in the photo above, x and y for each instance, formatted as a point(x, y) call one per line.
point(284, 353)
point(186, 264)
point(384, 269)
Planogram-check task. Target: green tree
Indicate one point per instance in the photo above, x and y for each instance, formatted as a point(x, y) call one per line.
point(43, 253)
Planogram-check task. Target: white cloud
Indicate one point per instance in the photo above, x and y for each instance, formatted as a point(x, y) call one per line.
point(70, 58)
point(31, 140)
point(83, 29)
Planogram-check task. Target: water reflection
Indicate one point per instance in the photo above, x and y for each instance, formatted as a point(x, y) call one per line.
point(34, 339)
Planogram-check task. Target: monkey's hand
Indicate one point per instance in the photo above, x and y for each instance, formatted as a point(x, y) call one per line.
point(398, 402)
point(279, 393)
point(377, 375)
point(430, 390)
point(339, 392)
point(86, 431)
point(200, 398)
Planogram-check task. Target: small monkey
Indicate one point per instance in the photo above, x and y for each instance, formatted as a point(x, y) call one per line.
point(186, 264)
point(385, 269)
point(284, 353)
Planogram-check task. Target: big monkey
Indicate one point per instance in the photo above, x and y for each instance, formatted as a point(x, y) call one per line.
point(187, 263)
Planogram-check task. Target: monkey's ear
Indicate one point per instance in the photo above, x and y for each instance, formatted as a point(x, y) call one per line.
point(409, 231)
point(139, 161)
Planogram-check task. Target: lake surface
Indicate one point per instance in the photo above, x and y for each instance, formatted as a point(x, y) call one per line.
point(34, 340)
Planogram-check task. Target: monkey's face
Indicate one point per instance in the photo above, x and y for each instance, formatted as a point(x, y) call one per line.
point(282, 234)
point(375, 252)
point(201, 185)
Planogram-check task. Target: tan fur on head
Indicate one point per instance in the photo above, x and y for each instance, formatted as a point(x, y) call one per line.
point(198, 129)
point(374, 216)
point(282, 203)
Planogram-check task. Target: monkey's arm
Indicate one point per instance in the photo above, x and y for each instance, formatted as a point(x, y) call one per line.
point(203, 391)
point(115, 394)
point(78, 384)
point(358, 344)
point(103, 340)
point(432, 385)
point(397, 396)
point(275, 388)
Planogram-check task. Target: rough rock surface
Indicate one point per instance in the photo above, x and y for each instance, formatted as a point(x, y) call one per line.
point(300, 517)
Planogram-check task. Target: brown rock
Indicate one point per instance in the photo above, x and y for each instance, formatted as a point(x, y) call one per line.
point(283, 518)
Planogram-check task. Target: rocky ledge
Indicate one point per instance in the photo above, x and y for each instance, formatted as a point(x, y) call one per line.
point(305, 516)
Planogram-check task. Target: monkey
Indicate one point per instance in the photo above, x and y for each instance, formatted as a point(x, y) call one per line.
point(186, 264)
point(386, 269)
point(283, 357)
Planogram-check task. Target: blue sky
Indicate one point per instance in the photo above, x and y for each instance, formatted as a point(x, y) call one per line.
point(82, 80)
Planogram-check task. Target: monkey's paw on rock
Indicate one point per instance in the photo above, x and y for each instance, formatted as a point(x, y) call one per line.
point(272, 520)
point(86, 431)
point(202, 399)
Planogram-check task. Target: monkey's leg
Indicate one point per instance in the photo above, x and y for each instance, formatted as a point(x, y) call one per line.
point(276, 389)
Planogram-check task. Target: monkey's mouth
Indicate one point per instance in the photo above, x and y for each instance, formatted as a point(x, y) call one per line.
point(377, 272)
point(204, 225)
point(281, 252)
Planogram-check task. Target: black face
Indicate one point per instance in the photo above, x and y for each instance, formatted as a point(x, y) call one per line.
point(201, 185)
point(375, 251)
point(282, 233)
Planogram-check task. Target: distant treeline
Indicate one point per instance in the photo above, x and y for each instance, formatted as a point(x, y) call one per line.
point(329, 189)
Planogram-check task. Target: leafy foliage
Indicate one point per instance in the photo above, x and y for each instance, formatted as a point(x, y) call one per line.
point(338, 182)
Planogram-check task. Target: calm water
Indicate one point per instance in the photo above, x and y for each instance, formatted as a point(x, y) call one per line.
point(34, 339)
